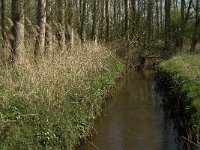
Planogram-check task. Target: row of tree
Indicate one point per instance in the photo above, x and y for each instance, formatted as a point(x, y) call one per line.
point(68, 22)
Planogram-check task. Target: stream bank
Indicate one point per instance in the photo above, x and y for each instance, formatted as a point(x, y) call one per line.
point(133, 118)
point(58, 110)
point(178, 80)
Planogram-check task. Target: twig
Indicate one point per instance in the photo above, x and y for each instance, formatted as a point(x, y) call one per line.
point(30, 115)
point(189, 141)
point(92, 144)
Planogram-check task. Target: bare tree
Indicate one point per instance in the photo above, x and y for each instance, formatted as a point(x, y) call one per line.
point(107, 7)
point(167, 25)
point(161, 14)
point(61, 21)
point(18, 50)
point(182, 23)
point(41, 22)
point(126, 18)
point(157, 20)
point(82, 19)
point(102, 20)
point(48, 32)
point(195, 37)
point(133, 3)
point(150, 23)
point(3, 36)
point(184, 19)
point(95, 20)
point(71, 20)
point(3, 18)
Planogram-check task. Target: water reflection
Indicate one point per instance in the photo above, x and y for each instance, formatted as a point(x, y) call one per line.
point(133, 119)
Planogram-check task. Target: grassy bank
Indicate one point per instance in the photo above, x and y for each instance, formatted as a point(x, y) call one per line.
point(51, 105)
point(183, 73)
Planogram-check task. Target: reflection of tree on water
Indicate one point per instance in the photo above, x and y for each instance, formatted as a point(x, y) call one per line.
point(134, 119)
point(174, 106)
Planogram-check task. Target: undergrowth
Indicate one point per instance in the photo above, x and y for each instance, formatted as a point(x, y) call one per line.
point(50, 105)
point(184, 73)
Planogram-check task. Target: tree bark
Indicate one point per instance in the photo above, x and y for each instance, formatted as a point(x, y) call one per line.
point(102, 19)
point(41, 22)
point(195, 37)
point(126, 19)
point(61, 21)
point(3, 17)
point(167, 25)
point(180, 43)
point(133, 2)
point(95, 21)
point(157, 20)
point(71, 21)
point(107, 7)
point(150, 23)
point(18, 50)
point(115, 14)
point(83, 17)
point(2, 37)
point(48, 32)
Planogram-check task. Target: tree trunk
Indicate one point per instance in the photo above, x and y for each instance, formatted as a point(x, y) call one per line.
point(167, 26)
point(102, 19)
point(94, 18)
point(126, 19)
point(49, 11)
point(161, 15)
point(3, 36)
point(41, 22)
point(107, 7)
point(71, 21)
point(48, 33)
point(133, 8)
point(195, 37)
point(133, 2)
point(180, 43)
point(157, 20)
point(115, 14)
point(83, 17)
point(184, 19)
point(61, 21)
point(18, 50)
point(3, 18)
point(149, 24)
point(27, 8)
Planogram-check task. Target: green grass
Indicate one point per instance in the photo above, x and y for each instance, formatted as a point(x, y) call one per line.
point(184, 72)
point(99, 85)
point(52, 105)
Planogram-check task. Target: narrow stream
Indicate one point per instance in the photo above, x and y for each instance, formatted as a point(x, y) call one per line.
point(134, 119)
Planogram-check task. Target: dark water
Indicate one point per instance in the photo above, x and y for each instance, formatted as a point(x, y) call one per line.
point(134, 119)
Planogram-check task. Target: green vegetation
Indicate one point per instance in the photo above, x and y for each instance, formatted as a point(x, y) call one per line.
point(52, 105)
point(56, 62)
point(184, 73)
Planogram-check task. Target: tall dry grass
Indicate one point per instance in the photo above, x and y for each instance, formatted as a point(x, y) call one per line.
point(56, 93)
point(59, 72)
point(48, 102)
